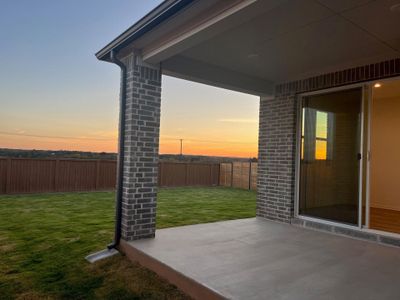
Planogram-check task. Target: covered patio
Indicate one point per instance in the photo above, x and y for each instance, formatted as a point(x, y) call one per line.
point(314, 65)
point(260, 259)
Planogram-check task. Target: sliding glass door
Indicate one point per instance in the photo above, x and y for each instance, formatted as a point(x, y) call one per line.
point(330, 156)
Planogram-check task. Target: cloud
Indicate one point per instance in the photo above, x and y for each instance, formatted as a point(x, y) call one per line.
point(20, 131)
point(105, 134)
point(238, 120)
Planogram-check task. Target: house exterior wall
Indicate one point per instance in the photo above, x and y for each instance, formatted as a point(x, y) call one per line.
point(276, 148)
point(277, 134)
point(142, 125)
point(277, 142)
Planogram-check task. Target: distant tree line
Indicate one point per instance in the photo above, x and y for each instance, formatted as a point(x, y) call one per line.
point(20, 153)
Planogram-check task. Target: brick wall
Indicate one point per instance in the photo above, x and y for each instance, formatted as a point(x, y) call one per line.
point(276, 164)
point(141, 149)
point(369, 72)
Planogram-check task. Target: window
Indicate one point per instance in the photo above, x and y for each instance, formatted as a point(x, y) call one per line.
point(321, 136)
point(317, 143)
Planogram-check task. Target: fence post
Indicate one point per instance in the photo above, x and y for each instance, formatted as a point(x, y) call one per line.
point(231, 174)
point(160, 172)
point(186, 174)
point(8, 178)
point(56, 173)
point(250, 175)
point(211, 174)
point(219, 175)
point(96, 186)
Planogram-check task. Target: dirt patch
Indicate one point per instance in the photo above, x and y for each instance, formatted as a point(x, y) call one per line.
point(7, 248)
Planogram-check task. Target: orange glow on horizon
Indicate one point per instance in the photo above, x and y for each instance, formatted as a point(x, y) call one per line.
point(228, 129)
point(209, 149)
point(231, 149)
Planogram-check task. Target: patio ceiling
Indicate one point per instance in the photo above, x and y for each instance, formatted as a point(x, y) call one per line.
point(250, 45)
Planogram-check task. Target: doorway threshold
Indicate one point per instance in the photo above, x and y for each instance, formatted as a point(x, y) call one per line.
point(375, 236)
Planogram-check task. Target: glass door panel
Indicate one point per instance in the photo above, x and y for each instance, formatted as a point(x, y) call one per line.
point(329, 158)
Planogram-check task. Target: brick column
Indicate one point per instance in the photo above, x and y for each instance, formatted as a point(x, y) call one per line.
point(276, 158)
point(142, 127)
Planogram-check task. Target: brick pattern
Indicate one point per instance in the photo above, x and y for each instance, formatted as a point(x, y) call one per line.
point(369, 72)
point(141, 149)
point(276, 164)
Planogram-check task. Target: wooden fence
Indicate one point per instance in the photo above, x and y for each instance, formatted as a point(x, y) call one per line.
point(239, 175)
point(21, 175)
point(188, 174)
point(25, 175)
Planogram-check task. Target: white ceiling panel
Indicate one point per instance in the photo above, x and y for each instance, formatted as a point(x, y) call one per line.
point(342, 5)
point(378, 19)
point(236, 45)
point(330, 44)
point(284, 18)
point(296, 39)
point(289, 42)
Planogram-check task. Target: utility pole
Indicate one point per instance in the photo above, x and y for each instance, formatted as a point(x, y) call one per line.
point(181, 146)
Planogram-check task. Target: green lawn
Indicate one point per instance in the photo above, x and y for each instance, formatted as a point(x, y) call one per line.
point(44, 239)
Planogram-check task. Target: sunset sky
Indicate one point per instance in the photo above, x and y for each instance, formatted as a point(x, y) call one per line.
point(54, 93)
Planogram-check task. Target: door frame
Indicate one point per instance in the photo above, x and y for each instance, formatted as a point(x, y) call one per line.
point(368, 98)
point(299, 99)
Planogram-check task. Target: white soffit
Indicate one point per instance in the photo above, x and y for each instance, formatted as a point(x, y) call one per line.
point(205, 25)
point(181, 20)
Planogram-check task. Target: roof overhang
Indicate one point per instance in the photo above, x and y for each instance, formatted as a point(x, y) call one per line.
point(250, 45)
point(153, 19)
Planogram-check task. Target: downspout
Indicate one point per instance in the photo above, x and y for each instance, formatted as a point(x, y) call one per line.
point(121, 151)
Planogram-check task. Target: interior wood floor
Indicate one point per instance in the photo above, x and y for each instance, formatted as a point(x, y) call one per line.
point(380, 219)
point(385, 220)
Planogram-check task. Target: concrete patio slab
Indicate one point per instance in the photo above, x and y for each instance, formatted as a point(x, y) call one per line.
point(259, 259)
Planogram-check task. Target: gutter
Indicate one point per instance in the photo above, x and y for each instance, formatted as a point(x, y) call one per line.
point(112, 248)
point(154, 18)
point(121, 151)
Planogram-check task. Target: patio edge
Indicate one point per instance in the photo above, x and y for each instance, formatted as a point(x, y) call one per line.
point(189, 286)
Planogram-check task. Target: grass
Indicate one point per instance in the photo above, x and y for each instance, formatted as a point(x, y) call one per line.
point(45, 237)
